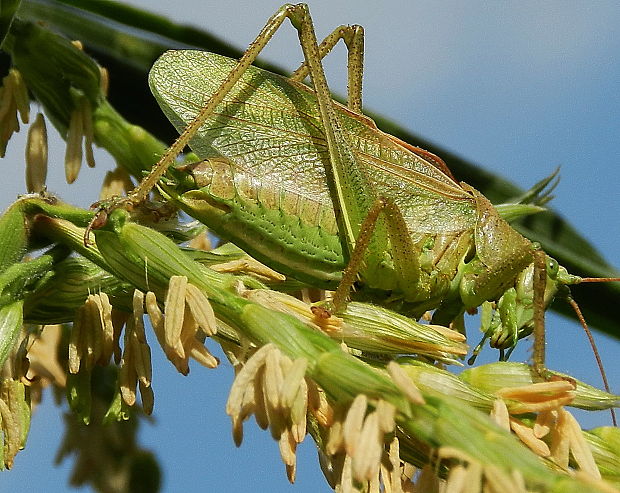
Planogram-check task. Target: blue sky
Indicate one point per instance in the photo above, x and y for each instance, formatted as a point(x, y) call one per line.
point(518, 87)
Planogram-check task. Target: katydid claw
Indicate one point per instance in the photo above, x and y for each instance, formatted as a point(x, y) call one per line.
point(102, 209)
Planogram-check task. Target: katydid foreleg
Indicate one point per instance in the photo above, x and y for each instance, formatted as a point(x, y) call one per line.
point(539, 283)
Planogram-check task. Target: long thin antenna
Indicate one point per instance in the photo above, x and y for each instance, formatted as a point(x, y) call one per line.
point(599, 279)
point(597, 355)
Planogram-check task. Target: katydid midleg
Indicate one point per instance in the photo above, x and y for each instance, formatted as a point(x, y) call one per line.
point(315, 190)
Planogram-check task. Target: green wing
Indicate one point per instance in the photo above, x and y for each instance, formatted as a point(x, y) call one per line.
point(269, 127)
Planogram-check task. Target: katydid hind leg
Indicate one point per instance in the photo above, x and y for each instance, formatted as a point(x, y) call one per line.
point(353, 37)
point(353, 194)
point(401, 247)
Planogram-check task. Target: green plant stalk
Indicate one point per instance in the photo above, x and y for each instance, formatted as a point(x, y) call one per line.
point(148, 259)
point(58, 297)
point(132, 147)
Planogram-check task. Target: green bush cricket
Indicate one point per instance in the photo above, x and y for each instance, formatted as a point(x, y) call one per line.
point(315, 190)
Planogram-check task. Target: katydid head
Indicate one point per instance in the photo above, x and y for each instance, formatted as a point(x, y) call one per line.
point(511, 316)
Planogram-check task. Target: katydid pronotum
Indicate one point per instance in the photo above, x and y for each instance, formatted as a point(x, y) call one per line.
point(315, 190)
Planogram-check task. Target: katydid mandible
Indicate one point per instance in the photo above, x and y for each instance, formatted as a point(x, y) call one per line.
point(315, 190)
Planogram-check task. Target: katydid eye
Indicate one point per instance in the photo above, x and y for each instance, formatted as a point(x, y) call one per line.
point(552, 267)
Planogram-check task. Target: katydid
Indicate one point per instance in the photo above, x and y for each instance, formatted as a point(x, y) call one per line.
point(315, 190)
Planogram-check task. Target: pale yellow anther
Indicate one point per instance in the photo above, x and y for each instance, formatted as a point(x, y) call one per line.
point(175, 311)
point(453, 335)
point(80, 129)
point(287, 448)
point(104, 80)
point(201, 242)
point(75, 342)
point(536, 391)
point(353, 423)
point(526, 435)
point(404, 383)
point(127, 377)
point(538, 397)
point(393, 476)
point(244, 378)
point(142, 359)
point(544, 405)
point(368, 450)
point(202, 355)
point(115, 182)
point(135, 370)
point(15, 414)
point(13, 99)
point(335, 442)
point(500, 414)
point(386, 413)
point(249, 266)
point(293, 379)
point(260, 411)
point(560, 442)
point(544, 422)
point(157, 318)
point(36, 155)
point(579, 448)
point(346, 477)
point(43, 356)
point(299, 411)
point(457, 479)
point(73, 151)
point(92, 332)
point(188, 331)
point(20, 93)
point(318, 405)
point(273, 379)
point(104, 308)
point(201, 309)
